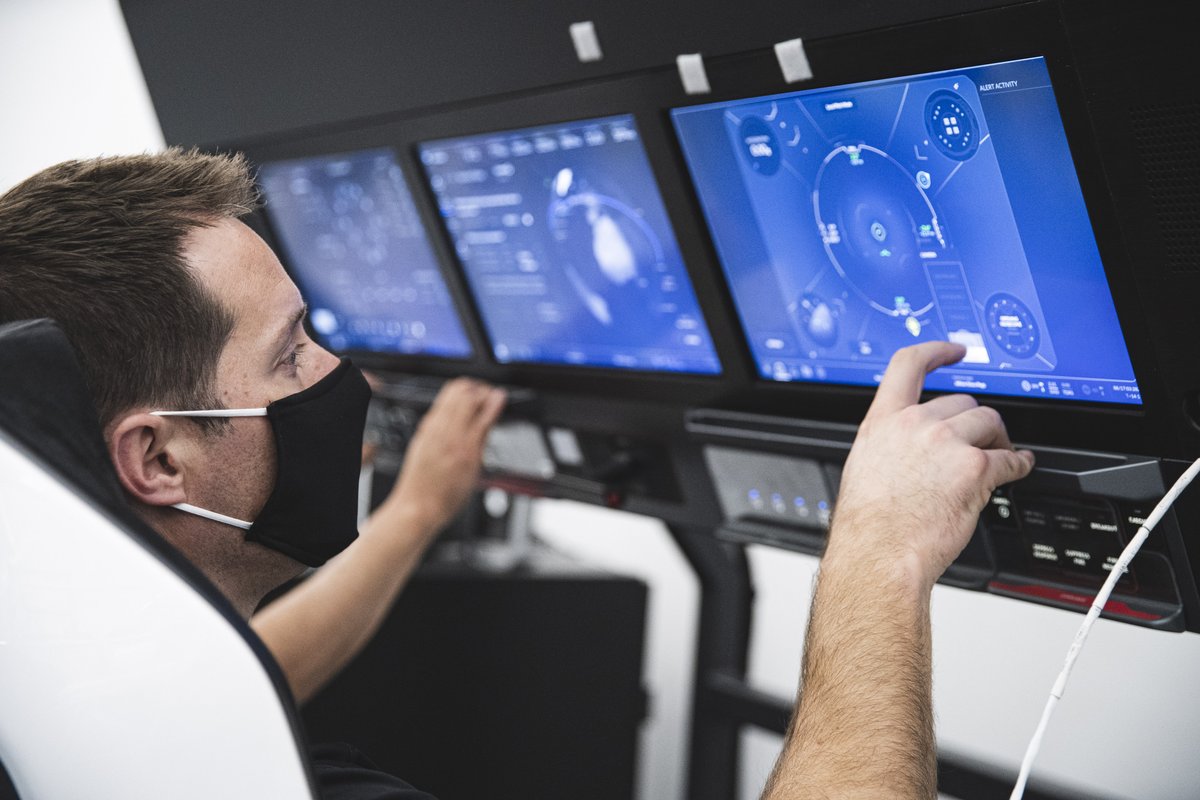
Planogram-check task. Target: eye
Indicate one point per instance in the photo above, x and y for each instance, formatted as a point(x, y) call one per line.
point(293, 359)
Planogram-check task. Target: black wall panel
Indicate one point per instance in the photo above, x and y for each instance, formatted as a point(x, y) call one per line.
point(270, 66)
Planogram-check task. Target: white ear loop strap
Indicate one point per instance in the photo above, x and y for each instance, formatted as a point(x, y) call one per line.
point(214, 516)
point(215, 412)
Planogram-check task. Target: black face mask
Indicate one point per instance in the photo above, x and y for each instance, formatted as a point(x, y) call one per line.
point(312, 513)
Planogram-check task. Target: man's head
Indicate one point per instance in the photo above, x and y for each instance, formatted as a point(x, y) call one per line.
point(172, 304)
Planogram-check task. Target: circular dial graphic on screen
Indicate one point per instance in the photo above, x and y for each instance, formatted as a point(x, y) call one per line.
point(608, 248)
point(878, 228)
point(816, 317)
point(951, 125)
point(1012, 325)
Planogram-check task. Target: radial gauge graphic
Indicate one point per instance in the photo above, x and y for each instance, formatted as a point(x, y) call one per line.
point(951, 125)
point(878, 227)
point(1012, 325)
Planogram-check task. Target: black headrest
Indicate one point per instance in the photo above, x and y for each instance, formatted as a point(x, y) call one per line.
point(45, 405)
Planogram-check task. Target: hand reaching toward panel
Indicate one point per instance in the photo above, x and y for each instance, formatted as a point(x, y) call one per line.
point(443, 460)
point(919, 474)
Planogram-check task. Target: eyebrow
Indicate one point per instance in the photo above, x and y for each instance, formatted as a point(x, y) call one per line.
point(285, 335)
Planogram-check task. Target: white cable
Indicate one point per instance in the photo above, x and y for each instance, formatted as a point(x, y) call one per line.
point(1093, 614)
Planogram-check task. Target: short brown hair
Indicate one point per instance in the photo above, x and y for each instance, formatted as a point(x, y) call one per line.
point(97, 246)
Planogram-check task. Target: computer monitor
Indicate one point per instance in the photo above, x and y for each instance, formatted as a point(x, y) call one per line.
point(567, 247)
point(854, 220)
point(353, 242)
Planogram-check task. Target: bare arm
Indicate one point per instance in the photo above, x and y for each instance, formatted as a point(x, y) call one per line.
point(914, 484)
point(317, 628)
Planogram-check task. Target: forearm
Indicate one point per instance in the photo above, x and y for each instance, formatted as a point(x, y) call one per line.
point(320, 626)
point(864, 723)
point(912, 488)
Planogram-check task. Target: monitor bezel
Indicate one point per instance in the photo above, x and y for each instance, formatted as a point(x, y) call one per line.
point(281, 248)
point(462, 267)
point(1001, 35)
point(814, 87)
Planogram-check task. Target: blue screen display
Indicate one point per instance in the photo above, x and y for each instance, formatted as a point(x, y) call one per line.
point(356, 247)
point(568, 249)
point(854, 220)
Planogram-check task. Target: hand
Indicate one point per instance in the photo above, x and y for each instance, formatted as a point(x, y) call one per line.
point(919, 475)
point(442, 463)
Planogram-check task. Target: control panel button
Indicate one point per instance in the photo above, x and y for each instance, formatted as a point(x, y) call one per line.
point(775, 488)
point(1000, 511)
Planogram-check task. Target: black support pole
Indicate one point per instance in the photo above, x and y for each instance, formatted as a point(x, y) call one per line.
point(726, 602)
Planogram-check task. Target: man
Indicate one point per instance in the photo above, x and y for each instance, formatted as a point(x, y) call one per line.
point(189, 333)
point(174, 304)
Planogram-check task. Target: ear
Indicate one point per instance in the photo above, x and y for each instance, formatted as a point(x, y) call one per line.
point(145, 450)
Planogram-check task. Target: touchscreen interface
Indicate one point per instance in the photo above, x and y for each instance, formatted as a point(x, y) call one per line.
point(355, 246)
point(854, 220)
point(567, 247)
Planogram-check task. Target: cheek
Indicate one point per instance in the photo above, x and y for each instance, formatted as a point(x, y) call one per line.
point(262, 465)
point(243, 468)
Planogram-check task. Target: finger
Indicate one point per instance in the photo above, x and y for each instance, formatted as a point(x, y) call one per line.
point(490, 411)
point(982, 427)
point(948, 405)
point(1006, 466)
point(458, 401)
point(905, 377)
point(449, 393)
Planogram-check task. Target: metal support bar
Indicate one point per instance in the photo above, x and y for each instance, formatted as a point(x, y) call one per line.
point(723, 637)
point(735, 699)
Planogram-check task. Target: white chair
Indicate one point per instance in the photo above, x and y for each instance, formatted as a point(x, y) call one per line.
point(123, 674)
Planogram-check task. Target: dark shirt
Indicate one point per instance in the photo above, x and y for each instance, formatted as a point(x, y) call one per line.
point(343, 773)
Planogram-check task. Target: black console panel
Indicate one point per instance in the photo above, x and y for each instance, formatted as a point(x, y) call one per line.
point(1049, 539)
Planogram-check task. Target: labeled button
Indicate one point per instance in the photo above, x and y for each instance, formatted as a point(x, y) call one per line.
point(1000, 510)
point(1068, 520)
point(1102, 523)
point(1078, 557)
point(1035, 519)
point(1134, 518)
point(1044, 552)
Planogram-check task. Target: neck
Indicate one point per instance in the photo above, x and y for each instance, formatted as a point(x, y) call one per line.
point(244, 572)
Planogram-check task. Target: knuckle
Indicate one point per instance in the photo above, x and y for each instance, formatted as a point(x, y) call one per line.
point(910, 415)
point(942, 432)
point(991, 416)
point(974, 464)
